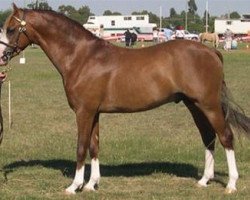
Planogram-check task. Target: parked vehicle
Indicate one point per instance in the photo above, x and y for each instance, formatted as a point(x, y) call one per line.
point(239, 27)
point(191, 36)
point(188, 36)
point(114, 26)
point(245, 38)
point(148, 36)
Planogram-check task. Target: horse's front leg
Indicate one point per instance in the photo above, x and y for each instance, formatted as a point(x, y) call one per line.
point(84, 125)
point(93, 151)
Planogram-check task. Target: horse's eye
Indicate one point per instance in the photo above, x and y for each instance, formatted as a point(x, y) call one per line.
point(10, 30)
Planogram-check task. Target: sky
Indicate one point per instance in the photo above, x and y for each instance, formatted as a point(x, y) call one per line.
point(125, 7)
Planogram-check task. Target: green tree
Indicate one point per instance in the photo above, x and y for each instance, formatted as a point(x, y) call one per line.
point(172, 12)
point(3, 16)
point(67, 10)
point(192, 8)
point(144, 12)
point(84, 12)
point(108, 12)
point(174, 20)
point(234, 15)
point(39, 4)
point(210, 23)
point(153, 18)
point(81, 15)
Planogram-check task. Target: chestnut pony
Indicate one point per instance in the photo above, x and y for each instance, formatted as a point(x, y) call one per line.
point(99, 77)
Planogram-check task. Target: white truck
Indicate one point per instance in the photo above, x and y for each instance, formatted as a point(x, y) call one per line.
point(188, 36)
point(239, 27)
point(114, 26)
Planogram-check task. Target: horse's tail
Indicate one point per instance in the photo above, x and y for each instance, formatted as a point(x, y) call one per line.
point(234, 114)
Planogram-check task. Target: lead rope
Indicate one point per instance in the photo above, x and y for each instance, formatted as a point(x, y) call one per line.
point(9, 94)
point(5, 71)
point(9, 100)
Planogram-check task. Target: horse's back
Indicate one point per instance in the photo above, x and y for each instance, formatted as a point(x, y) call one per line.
point(152, 76)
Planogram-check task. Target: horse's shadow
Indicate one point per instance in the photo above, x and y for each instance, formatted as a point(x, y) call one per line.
point(67, 168)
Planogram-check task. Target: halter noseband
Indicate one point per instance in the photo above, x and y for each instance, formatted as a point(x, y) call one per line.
point(15, 48)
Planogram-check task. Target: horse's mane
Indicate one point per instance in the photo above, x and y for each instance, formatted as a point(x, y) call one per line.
point(60, 15)
point(67, 22)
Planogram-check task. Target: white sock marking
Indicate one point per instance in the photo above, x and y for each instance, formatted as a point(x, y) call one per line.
point(233, 173)
point(77, 182)
point(209, 168)
point(95, 175)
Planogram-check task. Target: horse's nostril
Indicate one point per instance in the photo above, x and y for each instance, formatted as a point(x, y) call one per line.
point(7, 54)
point(5, 57)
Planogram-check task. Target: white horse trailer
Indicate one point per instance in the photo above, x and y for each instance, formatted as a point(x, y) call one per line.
point(116, 25)
point(239, 27)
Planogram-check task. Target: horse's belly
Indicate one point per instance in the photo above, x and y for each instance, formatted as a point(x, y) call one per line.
point(140, 97)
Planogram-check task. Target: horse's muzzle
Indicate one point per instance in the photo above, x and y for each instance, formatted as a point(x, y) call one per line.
point(5, 58)
point(7, 55)
point(9, 52)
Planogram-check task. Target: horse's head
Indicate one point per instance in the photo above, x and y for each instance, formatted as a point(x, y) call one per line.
point(13, 36)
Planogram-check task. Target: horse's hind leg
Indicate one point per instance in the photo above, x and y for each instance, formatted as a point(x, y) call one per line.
point(216, 118)
point(93, 151)
point(208, 137)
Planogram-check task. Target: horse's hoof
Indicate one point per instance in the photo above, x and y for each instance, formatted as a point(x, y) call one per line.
point(73, 188)
point(200, 184)
point(230, 191)
point(68, 192)
point(89, 188)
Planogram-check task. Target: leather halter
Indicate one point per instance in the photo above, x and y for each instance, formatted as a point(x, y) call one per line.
point(15, 48)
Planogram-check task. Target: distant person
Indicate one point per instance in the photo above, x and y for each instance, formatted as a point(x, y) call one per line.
point(127, 38)
point(228, 39)
point(179, 32)
point(234, 44)
point(133, 39)
point(101, 33)
point(168, 33)
point(155, 35)
point(97, 32)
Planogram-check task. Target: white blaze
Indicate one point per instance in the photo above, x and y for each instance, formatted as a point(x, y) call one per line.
point(4, 39)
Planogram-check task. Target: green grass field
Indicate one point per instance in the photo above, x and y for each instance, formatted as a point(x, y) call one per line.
point(156, 154)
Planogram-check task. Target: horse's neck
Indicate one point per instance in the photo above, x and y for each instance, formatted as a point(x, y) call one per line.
point(60, 41)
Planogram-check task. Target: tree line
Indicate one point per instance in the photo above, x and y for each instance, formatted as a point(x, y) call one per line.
point(195, 22)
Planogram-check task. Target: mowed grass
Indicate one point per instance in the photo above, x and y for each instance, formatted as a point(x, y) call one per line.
point(156, 154)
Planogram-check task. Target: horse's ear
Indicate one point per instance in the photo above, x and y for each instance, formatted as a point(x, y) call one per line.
point(15, 8)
